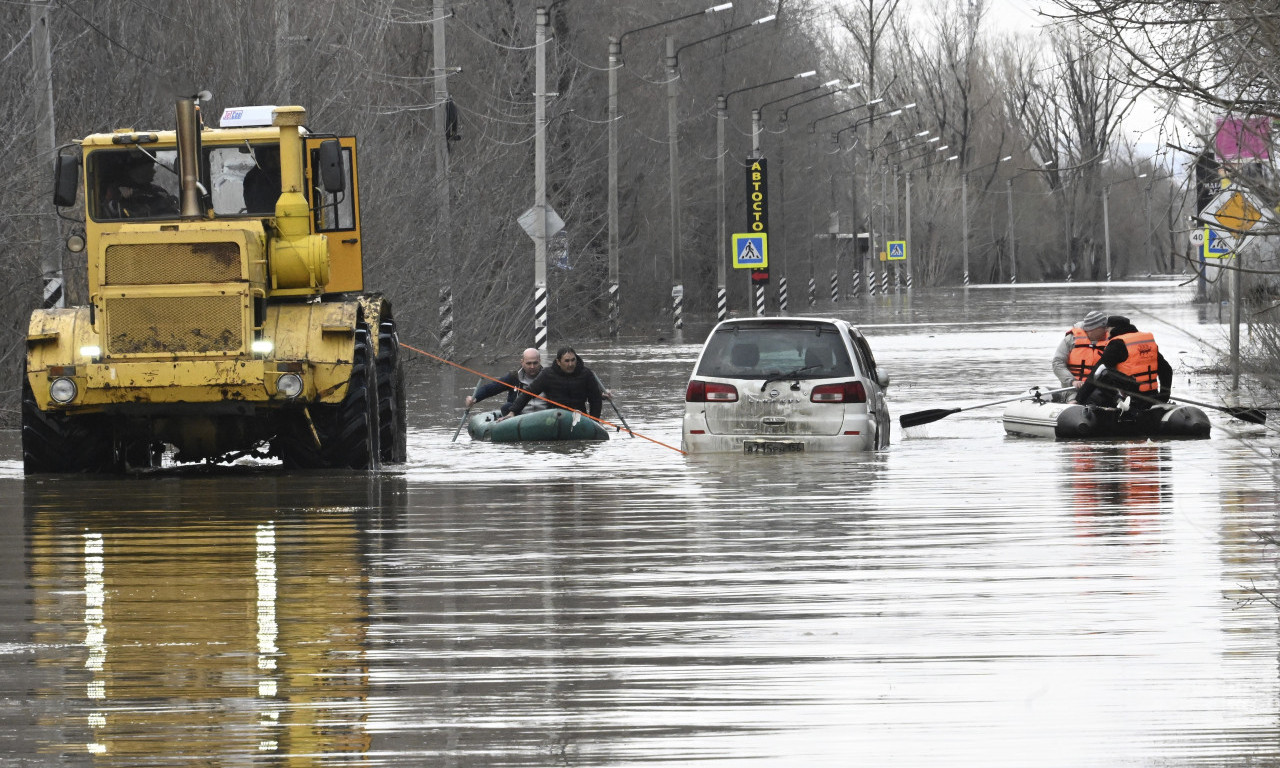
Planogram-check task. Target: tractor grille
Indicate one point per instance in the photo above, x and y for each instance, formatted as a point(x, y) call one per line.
point(168, 264)
point(177, 325)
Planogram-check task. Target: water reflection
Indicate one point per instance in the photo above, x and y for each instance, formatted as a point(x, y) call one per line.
point(208, 629)
point(1116, 487)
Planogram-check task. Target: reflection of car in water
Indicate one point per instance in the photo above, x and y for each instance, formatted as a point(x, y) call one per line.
point(1115, 488)
point(785, 384)
point(181, 629)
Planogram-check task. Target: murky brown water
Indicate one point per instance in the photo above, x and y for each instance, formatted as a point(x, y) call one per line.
point(962, 599)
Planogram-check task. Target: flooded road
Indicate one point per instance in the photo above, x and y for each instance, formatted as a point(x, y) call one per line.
point(961, 599)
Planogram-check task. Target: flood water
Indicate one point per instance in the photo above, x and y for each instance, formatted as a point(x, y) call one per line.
point(961, 599)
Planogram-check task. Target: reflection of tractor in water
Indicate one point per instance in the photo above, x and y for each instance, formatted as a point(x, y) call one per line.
point(227, 312)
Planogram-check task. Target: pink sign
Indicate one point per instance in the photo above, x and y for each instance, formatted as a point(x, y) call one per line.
point(1243, 138)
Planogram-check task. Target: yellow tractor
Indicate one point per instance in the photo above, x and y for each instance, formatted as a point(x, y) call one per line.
point(227, 314)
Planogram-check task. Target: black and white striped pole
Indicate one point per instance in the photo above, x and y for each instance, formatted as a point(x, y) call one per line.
point(540, 183)
point(782, 295)
point(446, 321)
point(813, 292)
point(855, 283)
point(677, 306)
point(722, 303)
point(759, 299)
point(835, 286)
point(614, 317)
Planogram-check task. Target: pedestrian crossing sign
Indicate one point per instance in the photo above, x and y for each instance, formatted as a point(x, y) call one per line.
point(897, 250)
point(750, 250)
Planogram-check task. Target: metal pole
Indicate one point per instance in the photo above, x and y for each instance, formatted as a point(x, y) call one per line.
point(1106, 231)
point(540, 183)
point(722, 234)
point(673, 155)
point(1013, 258)
point(906, 185)
point(758, 288)
point(1237, 265)
point(445, 257)
point(964, 225)
point(54, 294)
point(615, 61)
point(782, 230)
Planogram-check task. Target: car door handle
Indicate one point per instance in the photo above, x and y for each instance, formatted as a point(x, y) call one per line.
point(774, 421)
point(351, 241)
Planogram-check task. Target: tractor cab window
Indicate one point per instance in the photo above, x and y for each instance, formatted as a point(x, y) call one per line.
point(244, 179)
point(132, 184)
point(334, 211)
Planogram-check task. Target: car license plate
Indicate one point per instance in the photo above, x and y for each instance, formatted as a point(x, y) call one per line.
point(772, 446)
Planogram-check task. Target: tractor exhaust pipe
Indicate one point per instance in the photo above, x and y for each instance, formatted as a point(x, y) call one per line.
point(189, 158)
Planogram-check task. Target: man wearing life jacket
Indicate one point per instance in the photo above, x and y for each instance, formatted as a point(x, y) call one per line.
point(1130, 363)
point(1079, 350)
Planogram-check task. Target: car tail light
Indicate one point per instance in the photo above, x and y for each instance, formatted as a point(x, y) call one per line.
point(710, 392)
point(845, 392)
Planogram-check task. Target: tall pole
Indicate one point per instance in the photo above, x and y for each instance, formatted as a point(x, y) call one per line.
point(46, 141)
point(906, 196)
point(615, 61)
point(722, 238)
point(673, 155)
point(964, 225)
point(445, 255)
point(540, 183)
point(759, 300)
point(1013, 257)
point(281, 22)
point(1106, 230)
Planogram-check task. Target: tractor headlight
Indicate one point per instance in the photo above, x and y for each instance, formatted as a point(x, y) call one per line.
point(62, 390)
point(289, 385)
point(91, 351)
point(262, 346)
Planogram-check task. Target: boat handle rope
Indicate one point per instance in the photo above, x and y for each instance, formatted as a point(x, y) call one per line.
point(540, 397)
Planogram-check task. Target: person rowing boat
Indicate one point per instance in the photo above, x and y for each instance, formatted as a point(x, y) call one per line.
point(512, 383)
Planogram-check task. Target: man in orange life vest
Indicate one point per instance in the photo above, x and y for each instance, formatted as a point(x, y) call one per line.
point(1131, 363)
point(1079, 350)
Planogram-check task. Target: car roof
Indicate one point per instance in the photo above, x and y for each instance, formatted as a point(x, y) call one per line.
point(774, 322)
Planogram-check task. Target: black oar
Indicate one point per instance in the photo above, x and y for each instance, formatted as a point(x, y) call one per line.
point(621, 418)
point(1251, 415)
point(915, 419)
point(465, 414)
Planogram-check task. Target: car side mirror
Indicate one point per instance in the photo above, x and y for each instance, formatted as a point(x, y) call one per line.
point(882, 379)
point(66, 180)
point(329, 158)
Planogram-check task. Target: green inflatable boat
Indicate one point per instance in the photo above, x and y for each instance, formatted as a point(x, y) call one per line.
point(535, 426)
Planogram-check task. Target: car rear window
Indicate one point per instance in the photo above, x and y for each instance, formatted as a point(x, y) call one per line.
point(757, 352)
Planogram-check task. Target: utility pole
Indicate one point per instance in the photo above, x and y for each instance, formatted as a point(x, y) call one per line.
point(540, 183)
point(281, 62)
point(615, 61)
point(722, 247)
point(46, 141)
point(444, 256)
point(673, 154)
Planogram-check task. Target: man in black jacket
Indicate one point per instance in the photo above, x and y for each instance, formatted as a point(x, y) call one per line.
point(1109, 382)
point(522, 377)
point(567, 383)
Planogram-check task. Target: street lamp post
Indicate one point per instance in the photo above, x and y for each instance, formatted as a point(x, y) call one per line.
point(1106, 219)
point(673, 64)
point(781, 241)
point(615, 63)
point(964, 212)
point(871, 229)
point(722, 234)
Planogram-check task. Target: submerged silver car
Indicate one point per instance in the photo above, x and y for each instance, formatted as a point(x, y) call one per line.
point(765, 385)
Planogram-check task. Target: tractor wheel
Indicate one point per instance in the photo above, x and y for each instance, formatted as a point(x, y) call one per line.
point(53, 442)
point(391, 402)
point(348, 430)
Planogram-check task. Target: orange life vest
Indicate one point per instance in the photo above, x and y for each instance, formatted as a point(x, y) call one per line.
point(1083, 357)
point(1143, 361)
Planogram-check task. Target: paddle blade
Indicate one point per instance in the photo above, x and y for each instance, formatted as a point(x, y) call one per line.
point(1251, 415)
point(909, 420)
